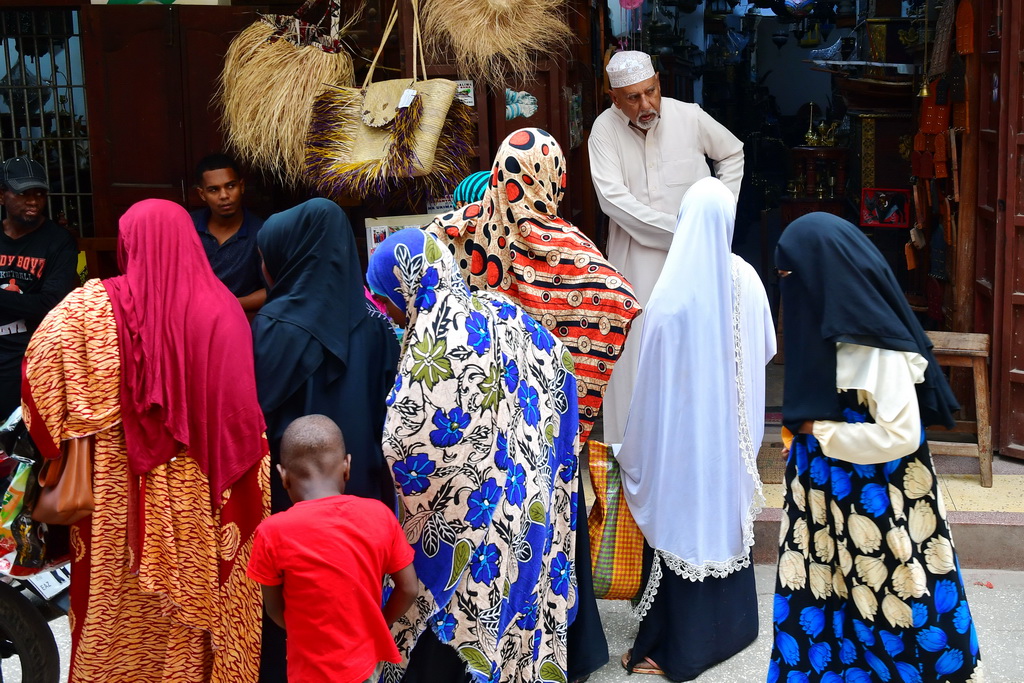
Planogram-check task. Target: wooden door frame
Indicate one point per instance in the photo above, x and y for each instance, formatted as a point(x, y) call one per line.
point(1007, 371)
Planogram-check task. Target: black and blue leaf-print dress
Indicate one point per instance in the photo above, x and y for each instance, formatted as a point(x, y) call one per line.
point(869, 587)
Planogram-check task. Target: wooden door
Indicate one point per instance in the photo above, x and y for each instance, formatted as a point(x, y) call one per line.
point(988, 168)
point(555, 84)
point(137, 138)
point(205, 34)
point(1008, 369)
point(152, 73)
point(583, 74)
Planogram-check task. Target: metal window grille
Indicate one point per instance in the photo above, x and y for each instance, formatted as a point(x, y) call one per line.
point(42, 106)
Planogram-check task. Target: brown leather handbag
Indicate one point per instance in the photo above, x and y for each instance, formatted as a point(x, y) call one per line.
point(65, 482)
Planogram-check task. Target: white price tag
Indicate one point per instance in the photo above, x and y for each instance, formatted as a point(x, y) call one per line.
point(406, 98)
point(51, 583)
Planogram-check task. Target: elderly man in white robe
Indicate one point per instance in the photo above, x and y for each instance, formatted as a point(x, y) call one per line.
point(645, 153)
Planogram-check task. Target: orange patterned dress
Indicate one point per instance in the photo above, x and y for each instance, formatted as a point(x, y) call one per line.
point(164, 598)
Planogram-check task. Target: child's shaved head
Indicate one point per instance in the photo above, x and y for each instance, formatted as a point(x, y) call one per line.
point(312, 446)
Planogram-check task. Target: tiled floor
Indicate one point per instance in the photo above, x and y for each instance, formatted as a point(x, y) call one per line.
point(963, 493)
point(960, 482)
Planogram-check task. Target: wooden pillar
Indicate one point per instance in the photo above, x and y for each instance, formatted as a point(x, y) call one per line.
point(964, 266)
point(965, 249)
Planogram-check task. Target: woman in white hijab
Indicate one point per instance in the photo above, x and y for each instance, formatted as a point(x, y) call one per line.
point(689, 452)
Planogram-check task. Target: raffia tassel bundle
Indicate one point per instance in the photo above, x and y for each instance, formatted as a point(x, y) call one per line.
point(267, 90)
point(494, 40)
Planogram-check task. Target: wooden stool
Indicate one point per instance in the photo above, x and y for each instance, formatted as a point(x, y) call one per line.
point(965, 350)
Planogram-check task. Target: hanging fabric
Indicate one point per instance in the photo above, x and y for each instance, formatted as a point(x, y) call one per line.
point(957, 79)
point(366, 141)
point(965, 28)
point(273, 72)
point(960, 95)
point(940, 156)
point(935, 109)
point(943, 38)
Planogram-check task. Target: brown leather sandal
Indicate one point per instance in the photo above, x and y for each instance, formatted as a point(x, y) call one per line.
point(648, 666)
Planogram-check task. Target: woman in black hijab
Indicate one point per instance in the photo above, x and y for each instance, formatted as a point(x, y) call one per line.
point(321, 348)
point(868, 585)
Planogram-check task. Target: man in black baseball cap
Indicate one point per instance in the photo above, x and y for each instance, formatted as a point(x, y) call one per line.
point(22, 173)
point(37, 268)
point(25, 190)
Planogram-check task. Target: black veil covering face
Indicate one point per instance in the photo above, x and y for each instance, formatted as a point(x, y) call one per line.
point(840, 289)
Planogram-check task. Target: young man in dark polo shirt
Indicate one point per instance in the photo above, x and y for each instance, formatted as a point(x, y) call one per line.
point(228, 232)
point(37, 268)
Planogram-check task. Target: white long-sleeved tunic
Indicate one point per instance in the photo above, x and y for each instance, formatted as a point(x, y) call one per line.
point(640, 181)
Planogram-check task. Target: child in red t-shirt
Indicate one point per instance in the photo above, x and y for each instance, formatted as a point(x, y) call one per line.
point(322, 562)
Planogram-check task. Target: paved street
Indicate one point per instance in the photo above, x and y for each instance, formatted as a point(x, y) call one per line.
point(998, 612)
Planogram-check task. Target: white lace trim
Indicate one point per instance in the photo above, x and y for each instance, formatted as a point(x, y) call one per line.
point(692, 572)
point(748, 449)
point(718, 570)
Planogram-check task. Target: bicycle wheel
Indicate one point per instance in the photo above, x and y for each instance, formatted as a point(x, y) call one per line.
point(28, 651)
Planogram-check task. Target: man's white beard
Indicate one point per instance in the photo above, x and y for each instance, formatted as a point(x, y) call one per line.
point(649, 124)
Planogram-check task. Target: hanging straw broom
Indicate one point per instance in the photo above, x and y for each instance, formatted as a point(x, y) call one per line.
point(494, 40)
point(273, 72)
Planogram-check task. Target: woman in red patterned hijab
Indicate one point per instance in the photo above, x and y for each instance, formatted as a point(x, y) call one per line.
point(155, 368)
point(514, 243)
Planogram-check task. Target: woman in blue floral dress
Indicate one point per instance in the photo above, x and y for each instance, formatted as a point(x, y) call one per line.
point(869, 587)
point(481, 436)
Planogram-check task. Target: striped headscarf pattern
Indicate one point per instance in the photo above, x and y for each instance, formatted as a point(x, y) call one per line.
point(471, 189)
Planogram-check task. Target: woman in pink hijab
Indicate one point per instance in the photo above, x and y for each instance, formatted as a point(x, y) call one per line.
point(155, 369)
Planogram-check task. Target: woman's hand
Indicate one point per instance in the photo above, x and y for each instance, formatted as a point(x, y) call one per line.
point(806, 427)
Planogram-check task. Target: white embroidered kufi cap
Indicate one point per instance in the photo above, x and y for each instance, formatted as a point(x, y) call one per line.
point(629, 67)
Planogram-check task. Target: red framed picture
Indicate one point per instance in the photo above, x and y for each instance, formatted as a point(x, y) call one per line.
point(884, 208)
